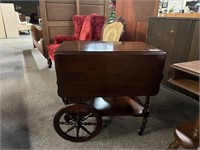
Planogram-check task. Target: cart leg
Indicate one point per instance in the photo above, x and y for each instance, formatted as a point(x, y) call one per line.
point(65, 101)
point(145, 116)
point(49, 63)
point(174, 145)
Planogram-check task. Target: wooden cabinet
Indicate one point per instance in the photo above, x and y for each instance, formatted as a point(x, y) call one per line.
point(136, 14)
point(179, 37)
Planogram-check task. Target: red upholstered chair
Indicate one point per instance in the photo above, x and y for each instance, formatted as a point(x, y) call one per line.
point(85, 28)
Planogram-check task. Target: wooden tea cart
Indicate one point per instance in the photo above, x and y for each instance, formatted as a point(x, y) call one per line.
point(97, 79)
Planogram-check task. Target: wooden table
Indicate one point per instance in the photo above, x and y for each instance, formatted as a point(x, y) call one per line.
point(187, 76)
point(108, 77)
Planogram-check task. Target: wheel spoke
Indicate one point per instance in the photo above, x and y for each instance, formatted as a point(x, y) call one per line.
point(65, 123)
point(77, 132)
point(70, 116)
point(84, 129)
point(89, 123)
point(84, 118)
point(71, 128)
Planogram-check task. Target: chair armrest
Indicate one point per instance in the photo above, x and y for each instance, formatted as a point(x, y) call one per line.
point(36, 34)
point(58, 39)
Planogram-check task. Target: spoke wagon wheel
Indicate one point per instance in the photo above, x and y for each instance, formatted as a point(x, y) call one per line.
point(77, 122)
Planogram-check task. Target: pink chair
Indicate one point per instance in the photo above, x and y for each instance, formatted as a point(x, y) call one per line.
point(85, 28)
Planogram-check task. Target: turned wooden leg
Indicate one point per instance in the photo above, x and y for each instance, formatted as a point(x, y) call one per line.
point(49, 63)
point(174, 145)
point(65, 101)
point(145, 116)
point(186, 135)
point(143, 126)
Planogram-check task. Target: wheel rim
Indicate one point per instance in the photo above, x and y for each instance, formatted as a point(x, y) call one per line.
point(77, 122)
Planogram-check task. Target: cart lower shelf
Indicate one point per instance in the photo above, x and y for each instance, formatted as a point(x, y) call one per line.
point(116, 106)
point(81, 119)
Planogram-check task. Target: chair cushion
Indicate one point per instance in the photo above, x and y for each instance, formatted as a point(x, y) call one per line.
point(98, 24)
point(78, 23)
point(86, 32)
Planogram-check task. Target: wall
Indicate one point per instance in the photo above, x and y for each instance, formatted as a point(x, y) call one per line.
point(9, 20)
point(136, 14)
point(177, 5)
point(27, 7)
point(2, 28)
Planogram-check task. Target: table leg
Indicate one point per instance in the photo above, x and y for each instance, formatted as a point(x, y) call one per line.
point(174, 145)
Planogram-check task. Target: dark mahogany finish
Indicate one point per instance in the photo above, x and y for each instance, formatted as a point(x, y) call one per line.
point(186, 135)
point(107, 69)
point(109, 77)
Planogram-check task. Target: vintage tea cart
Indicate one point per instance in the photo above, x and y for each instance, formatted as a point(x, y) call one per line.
point(97, 79)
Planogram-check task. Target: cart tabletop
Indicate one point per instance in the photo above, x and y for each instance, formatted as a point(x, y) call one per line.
point(106, 47)
point(94, 68)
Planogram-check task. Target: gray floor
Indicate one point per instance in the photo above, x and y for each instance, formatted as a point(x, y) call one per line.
point(29, 102)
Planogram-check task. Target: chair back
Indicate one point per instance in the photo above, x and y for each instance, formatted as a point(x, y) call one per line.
point(92, 27)
point(113, 31)
point(78, 21)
